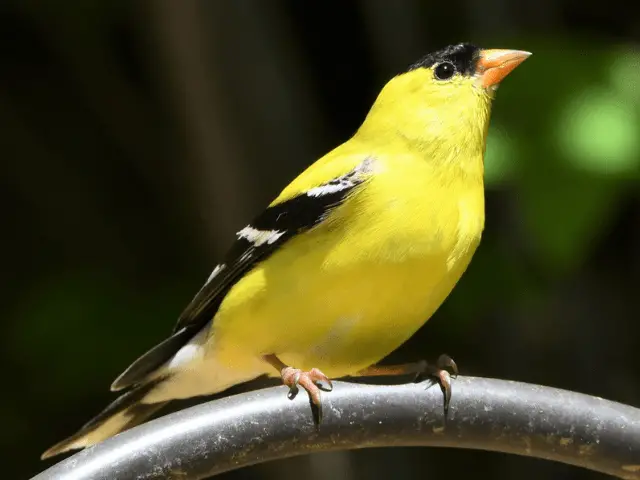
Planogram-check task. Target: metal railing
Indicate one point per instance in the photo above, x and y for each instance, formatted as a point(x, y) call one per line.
point(263, 425)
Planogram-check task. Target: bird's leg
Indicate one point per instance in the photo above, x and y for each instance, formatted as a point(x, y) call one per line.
point(444, 369)
point(312, 381)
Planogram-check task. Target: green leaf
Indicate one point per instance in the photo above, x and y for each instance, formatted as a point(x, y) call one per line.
point(598, 132)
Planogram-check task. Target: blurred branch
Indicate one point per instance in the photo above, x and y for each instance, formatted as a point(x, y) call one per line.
point(259, 426)
point(243, 98)
point(188, 56)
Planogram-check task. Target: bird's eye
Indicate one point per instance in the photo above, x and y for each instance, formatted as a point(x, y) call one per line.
point(444, 71)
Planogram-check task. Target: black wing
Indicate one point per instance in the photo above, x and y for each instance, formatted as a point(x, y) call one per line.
point(255, 243)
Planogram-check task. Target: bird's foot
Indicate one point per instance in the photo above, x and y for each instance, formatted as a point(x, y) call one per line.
point(312, 381)
point(443, 371)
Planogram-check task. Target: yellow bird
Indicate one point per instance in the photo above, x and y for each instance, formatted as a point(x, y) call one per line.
point(350, 259)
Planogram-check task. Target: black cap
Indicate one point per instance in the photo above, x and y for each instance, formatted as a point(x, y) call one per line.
point(463, 56)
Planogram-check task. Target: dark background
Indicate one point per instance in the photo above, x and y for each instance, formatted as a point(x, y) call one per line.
point(137, 137)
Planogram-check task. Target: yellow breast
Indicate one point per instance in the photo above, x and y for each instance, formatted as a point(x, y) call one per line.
point(344, 295)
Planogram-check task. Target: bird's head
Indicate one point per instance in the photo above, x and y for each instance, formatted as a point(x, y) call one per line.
point(443, 101)
point(460, 69)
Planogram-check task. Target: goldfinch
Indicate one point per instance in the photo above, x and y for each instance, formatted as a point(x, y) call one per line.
point(347, 262)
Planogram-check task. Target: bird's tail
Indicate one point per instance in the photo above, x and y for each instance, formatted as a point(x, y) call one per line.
point(124, 412)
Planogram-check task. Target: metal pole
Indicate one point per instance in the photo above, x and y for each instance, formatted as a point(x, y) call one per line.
point(263, 425)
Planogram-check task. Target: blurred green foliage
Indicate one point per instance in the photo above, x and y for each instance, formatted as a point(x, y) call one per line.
point(572, 167)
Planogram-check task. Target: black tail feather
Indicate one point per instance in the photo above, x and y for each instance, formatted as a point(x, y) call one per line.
point(124, 412)
point(139, 371)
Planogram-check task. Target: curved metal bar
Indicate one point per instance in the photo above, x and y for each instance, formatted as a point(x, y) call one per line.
point(264, 425)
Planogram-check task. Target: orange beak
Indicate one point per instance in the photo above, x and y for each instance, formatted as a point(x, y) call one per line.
point(494, 65)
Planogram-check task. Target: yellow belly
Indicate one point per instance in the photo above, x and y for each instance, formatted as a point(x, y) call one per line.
point(346, 294)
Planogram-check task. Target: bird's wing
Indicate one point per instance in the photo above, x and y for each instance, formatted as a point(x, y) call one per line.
point(281, 221)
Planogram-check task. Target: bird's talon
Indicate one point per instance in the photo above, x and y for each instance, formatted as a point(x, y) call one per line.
point(293, 392)
point(444, 370)
point(320, 380)
point(445, 384)
point(445, 362)
point(316, 411)
point(312, 381)
point(324, 386)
